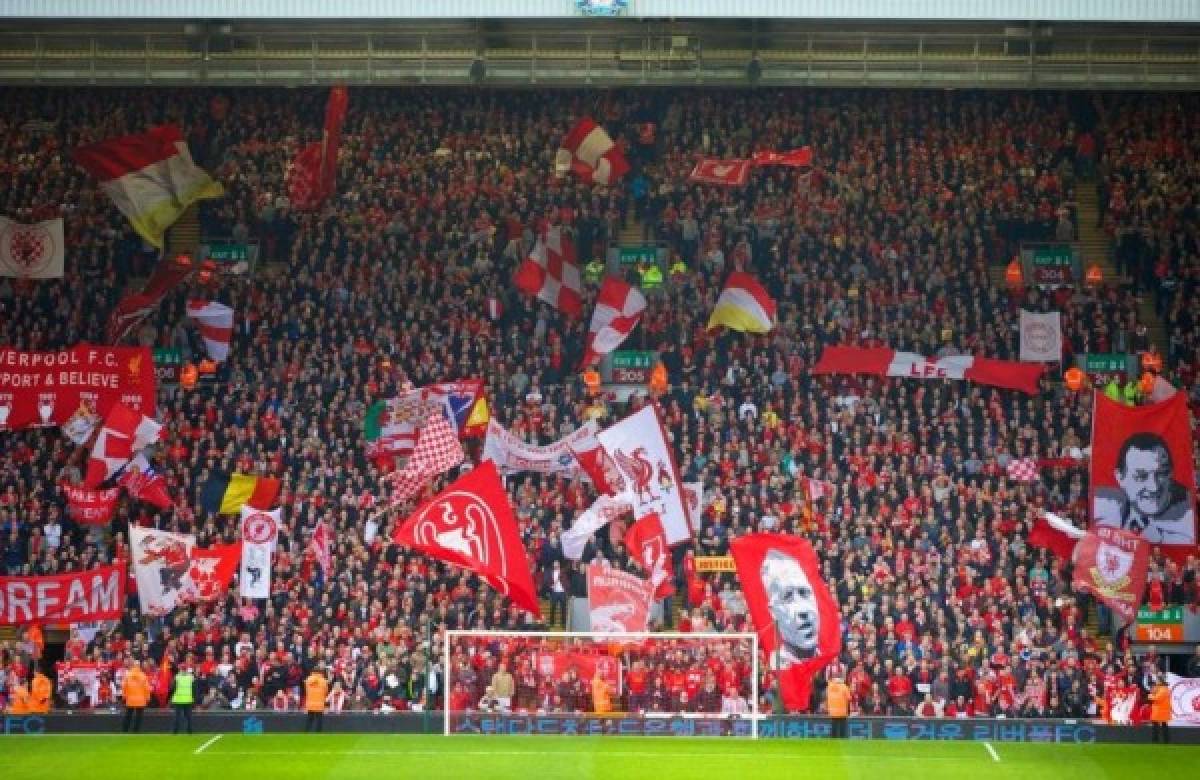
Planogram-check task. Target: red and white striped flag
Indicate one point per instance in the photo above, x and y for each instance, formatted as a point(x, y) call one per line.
point(124, 432)
point(590, 154)
point(436, 452)
point(619, 306)
point(551, 273)
point(215, 321)
point(816, 489)
point(150, 177)
point(322, 548)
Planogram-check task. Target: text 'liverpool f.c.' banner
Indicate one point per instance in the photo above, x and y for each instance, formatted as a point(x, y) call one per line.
point(46, 388)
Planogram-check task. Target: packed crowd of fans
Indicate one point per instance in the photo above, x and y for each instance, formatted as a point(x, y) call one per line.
point(888, 241)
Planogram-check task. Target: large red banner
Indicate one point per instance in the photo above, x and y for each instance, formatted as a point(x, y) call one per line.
point(46, 388)
point(618, 601)
point(79, 597)
point(554, 665)
point(1142, 478)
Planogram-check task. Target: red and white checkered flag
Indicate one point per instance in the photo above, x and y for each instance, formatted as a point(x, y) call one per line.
point(436, 452)
point(1023, 470)
point(552, 273)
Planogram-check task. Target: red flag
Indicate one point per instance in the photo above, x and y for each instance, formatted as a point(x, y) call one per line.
point(796, 617)
point(335, 116)
point(1053, 537)
point(132, 310)
point(794, 158)
point(1111, 565)
point(211, 570)
point(647, 542)
point(1142, 479)
point(731, 173)
point(305, 186)
point(322, 548)
point(90, 507)
point(882, 361)
point(599, 467)
point(142, 482)
point(551, 273)
point(471, 524)
point(619, 307)
point(618, 601)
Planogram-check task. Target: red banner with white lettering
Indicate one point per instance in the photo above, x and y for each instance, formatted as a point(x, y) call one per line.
point(91, 507)
point(1111, 565)
point(79, 597)
point(46, 388)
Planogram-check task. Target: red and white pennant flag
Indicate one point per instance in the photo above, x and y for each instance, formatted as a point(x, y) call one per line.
point(551, 273)
point(619, 307)
point(215, 321)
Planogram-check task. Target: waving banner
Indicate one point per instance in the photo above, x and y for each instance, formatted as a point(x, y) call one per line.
point(260, 534)
point(1111, 565)
point(794, 614)
point(512, 454)
point(881, 361)
point(96, 594)
point(46, 388)
point(1185, 700)
point(161, 561)
point(618, 601)
point(1142, 478)
point(639, 447)
point(91, 507)
point(471, 524)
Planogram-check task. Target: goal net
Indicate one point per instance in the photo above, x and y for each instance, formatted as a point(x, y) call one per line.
point(668, 684)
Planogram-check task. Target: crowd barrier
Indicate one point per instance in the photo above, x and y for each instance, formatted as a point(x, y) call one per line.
point(770, 727)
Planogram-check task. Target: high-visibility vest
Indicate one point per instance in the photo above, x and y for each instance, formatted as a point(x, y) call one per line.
point(183, 689)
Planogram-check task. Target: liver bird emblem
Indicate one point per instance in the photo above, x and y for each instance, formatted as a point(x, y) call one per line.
point(639, 470)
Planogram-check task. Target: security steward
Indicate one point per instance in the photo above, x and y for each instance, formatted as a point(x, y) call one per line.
point(182, 696)
point(316, 689)
point(135, 690)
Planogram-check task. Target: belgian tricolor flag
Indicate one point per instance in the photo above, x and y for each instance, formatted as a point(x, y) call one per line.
point(226, 494)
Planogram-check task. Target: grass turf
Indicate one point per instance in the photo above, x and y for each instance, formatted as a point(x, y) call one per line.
point(258, 757)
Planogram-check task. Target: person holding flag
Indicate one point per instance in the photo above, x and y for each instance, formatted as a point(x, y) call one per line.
point(316, 690)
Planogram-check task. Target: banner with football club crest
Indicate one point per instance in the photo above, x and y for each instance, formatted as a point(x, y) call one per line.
point(47, 388)
point(1111, 565)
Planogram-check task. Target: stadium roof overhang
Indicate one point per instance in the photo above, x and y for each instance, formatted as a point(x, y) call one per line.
point(883, 10)
point(614, 51)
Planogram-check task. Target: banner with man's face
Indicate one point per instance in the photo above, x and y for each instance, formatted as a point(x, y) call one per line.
point(1142, 478)
point(794, 614)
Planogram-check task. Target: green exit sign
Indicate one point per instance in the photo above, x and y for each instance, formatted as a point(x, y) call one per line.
point(635, 255)
point(229, 253)
point(632, 367)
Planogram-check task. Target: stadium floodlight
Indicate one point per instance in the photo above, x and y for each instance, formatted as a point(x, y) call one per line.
point(592, 683)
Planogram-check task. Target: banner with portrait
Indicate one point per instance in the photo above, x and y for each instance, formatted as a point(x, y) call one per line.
point(1142, 479)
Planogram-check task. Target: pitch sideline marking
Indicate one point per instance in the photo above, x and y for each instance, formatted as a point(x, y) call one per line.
point(206, 745)
point(992, 750)
point(622, 754)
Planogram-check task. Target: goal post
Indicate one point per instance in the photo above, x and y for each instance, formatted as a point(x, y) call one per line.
point(573, 682)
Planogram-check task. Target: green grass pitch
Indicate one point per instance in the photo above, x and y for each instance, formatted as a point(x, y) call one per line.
point(258, 757)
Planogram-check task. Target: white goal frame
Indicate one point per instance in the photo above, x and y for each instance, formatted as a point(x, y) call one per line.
point(754, 716)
